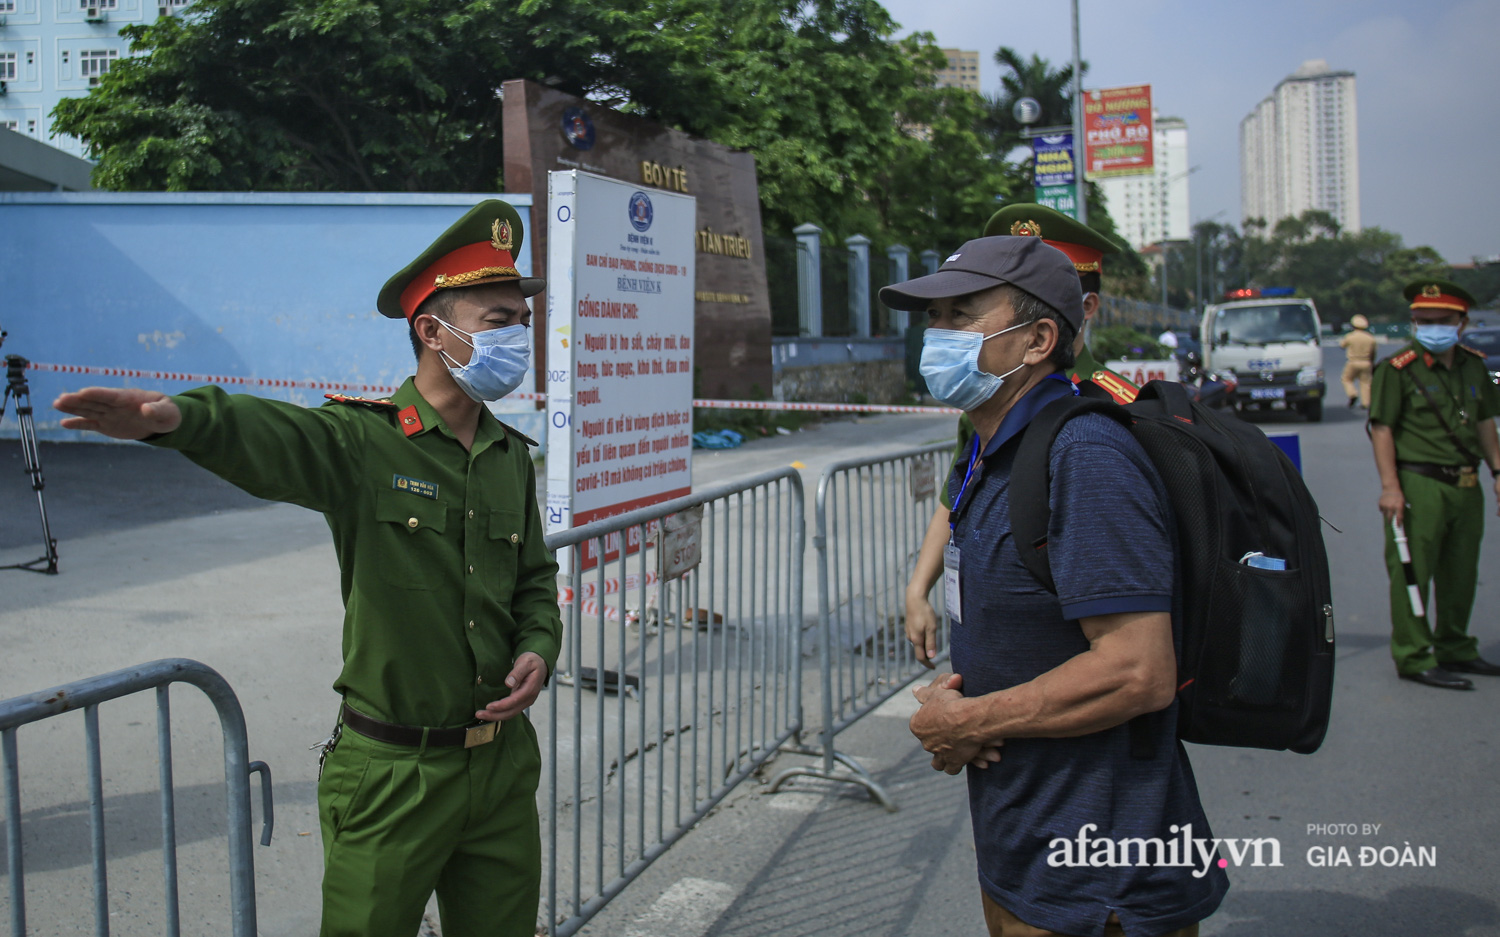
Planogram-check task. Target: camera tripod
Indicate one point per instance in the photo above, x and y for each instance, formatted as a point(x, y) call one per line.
point(16, 386)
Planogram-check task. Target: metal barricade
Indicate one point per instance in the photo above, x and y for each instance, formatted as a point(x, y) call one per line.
point(680, 676)
point(872, 515)
point(87, 695)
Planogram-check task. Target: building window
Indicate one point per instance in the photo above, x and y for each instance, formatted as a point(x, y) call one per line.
point(8, 6)
point(95, 62)
point(10, 124)
point(98, 4)
point(31, 127)
point(7, 66)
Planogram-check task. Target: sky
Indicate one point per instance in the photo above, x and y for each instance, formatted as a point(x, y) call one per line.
point(1427, 87)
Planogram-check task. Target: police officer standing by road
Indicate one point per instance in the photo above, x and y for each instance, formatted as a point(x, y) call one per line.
point(1360, 347)
point(451, 625)
point(1086, 248)
point(1432, 415)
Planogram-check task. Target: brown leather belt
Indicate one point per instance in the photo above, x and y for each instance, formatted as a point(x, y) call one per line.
point(1460, 476)
point(413, 736)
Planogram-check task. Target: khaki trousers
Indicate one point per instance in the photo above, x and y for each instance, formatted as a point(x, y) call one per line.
point(1002, 923)
point(1358, 371)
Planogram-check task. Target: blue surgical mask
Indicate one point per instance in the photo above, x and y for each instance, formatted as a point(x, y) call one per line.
point(950, 365)
point(1437, 338)
point(498, 364)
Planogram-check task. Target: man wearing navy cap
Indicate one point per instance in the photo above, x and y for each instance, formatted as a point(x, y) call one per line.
point(1044, 683)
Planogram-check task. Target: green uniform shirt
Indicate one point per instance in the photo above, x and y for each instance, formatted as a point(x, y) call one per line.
point(1464, 395)
point(445, 575)
point(1085, 366)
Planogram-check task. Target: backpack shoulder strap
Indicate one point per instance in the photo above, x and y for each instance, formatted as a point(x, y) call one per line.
point(1031, 479)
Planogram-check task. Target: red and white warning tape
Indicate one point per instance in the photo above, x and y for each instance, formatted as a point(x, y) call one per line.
point(383, 389)
point(819, 407)
point(386, 389)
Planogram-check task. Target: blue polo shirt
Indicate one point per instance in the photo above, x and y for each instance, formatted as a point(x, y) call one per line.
point(1111, 549)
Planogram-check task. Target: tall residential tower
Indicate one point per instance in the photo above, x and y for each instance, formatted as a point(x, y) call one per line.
point(1151, 208)
point(1299, 149)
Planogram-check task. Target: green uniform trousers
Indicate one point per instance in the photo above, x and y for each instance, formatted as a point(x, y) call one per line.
point(399, 823)
point(1444, 524)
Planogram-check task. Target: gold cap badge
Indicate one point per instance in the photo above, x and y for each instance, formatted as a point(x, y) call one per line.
point(1025, 229)
point(1431, 291)
point(500, 235)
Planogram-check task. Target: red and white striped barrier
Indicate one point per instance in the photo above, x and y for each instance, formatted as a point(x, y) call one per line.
point(590, 590)
point(386, 389)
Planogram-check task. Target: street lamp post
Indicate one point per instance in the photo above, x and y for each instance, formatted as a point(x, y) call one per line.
point(1080, 148)
point(1165, 185)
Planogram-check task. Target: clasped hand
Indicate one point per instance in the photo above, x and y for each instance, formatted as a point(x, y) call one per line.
point(940, 726)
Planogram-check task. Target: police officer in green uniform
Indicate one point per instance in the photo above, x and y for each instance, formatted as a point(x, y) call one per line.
point(451, 624)
point(1086, 248)
point(1432, 412)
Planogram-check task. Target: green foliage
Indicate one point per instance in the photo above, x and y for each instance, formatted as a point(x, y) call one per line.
point(1482, 281)
point(1124, 341)
point(1344, 273)
point(402, 95)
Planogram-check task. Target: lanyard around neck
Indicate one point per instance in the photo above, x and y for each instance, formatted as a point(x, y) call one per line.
point(968, 474)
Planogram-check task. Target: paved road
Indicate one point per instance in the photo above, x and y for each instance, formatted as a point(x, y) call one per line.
point(170, 563)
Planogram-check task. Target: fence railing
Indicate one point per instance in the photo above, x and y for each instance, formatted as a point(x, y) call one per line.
point(871, 516)
point(680, 675)
point(87, 695)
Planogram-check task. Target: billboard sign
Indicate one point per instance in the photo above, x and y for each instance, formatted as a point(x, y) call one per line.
point(1052, 159)
point(620, 339)
point(1061, 198)
point(1117, 132)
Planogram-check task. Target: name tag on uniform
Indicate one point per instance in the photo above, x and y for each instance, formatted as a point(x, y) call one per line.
point(414, 485)
point(951, 602)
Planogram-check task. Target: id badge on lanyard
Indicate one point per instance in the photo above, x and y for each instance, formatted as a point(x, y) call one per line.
point(951, 601)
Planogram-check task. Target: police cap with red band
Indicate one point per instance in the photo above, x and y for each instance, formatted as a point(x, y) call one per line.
point(1083, 245)
point(480, 247)
point(1438, 294)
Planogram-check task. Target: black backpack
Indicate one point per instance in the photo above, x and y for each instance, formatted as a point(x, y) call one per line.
point(1257, 644)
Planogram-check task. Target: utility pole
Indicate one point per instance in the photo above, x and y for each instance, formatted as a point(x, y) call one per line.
point(1080, 149)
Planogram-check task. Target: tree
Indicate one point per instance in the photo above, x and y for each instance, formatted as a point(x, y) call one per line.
point(1029, 78)
point(382, 95)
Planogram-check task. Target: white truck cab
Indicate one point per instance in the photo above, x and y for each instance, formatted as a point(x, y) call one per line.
point(1273, 348)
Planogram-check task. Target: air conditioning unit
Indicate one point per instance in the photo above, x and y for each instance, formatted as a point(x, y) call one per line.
point(2, 89)
point(93, 14)
point(164, 11)
point(93, 80)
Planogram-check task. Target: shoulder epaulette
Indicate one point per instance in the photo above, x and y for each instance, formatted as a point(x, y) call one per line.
point(365, 401)
point(519, 435)
point(1120, 389)
point(1473, 351)
point(1402, 360)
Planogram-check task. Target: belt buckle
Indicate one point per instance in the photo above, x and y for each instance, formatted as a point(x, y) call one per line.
point(482, 734)
point(1468, 478)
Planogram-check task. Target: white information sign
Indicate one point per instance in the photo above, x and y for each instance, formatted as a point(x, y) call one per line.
point(1140, 373)
point(619, 349)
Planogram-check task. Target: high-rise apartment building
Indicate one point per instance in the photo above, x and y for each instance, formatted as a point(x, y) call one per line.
point(1148, 209)
point(55, 49)
point(962, 70)
point(1299, 149)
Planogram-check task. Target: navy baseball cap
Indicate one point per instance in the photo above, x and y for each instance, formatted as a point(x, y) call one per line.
point(1027, 263)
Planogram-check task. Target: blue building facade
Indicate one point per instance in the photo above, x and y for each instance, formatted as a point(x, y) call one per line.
point(265, 293)
point(55, 49)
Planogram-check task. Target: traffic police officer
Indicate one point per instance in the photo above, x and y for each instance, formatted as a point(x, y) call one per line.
point(451, 624)
point(1431, 417)
point(1360, 346)
point(1086, 248)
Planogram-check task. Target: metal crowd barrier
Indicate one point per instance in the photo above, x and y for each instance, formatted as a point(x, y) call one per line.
point(680, 675)
point(871, 517)
point(87, 695)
